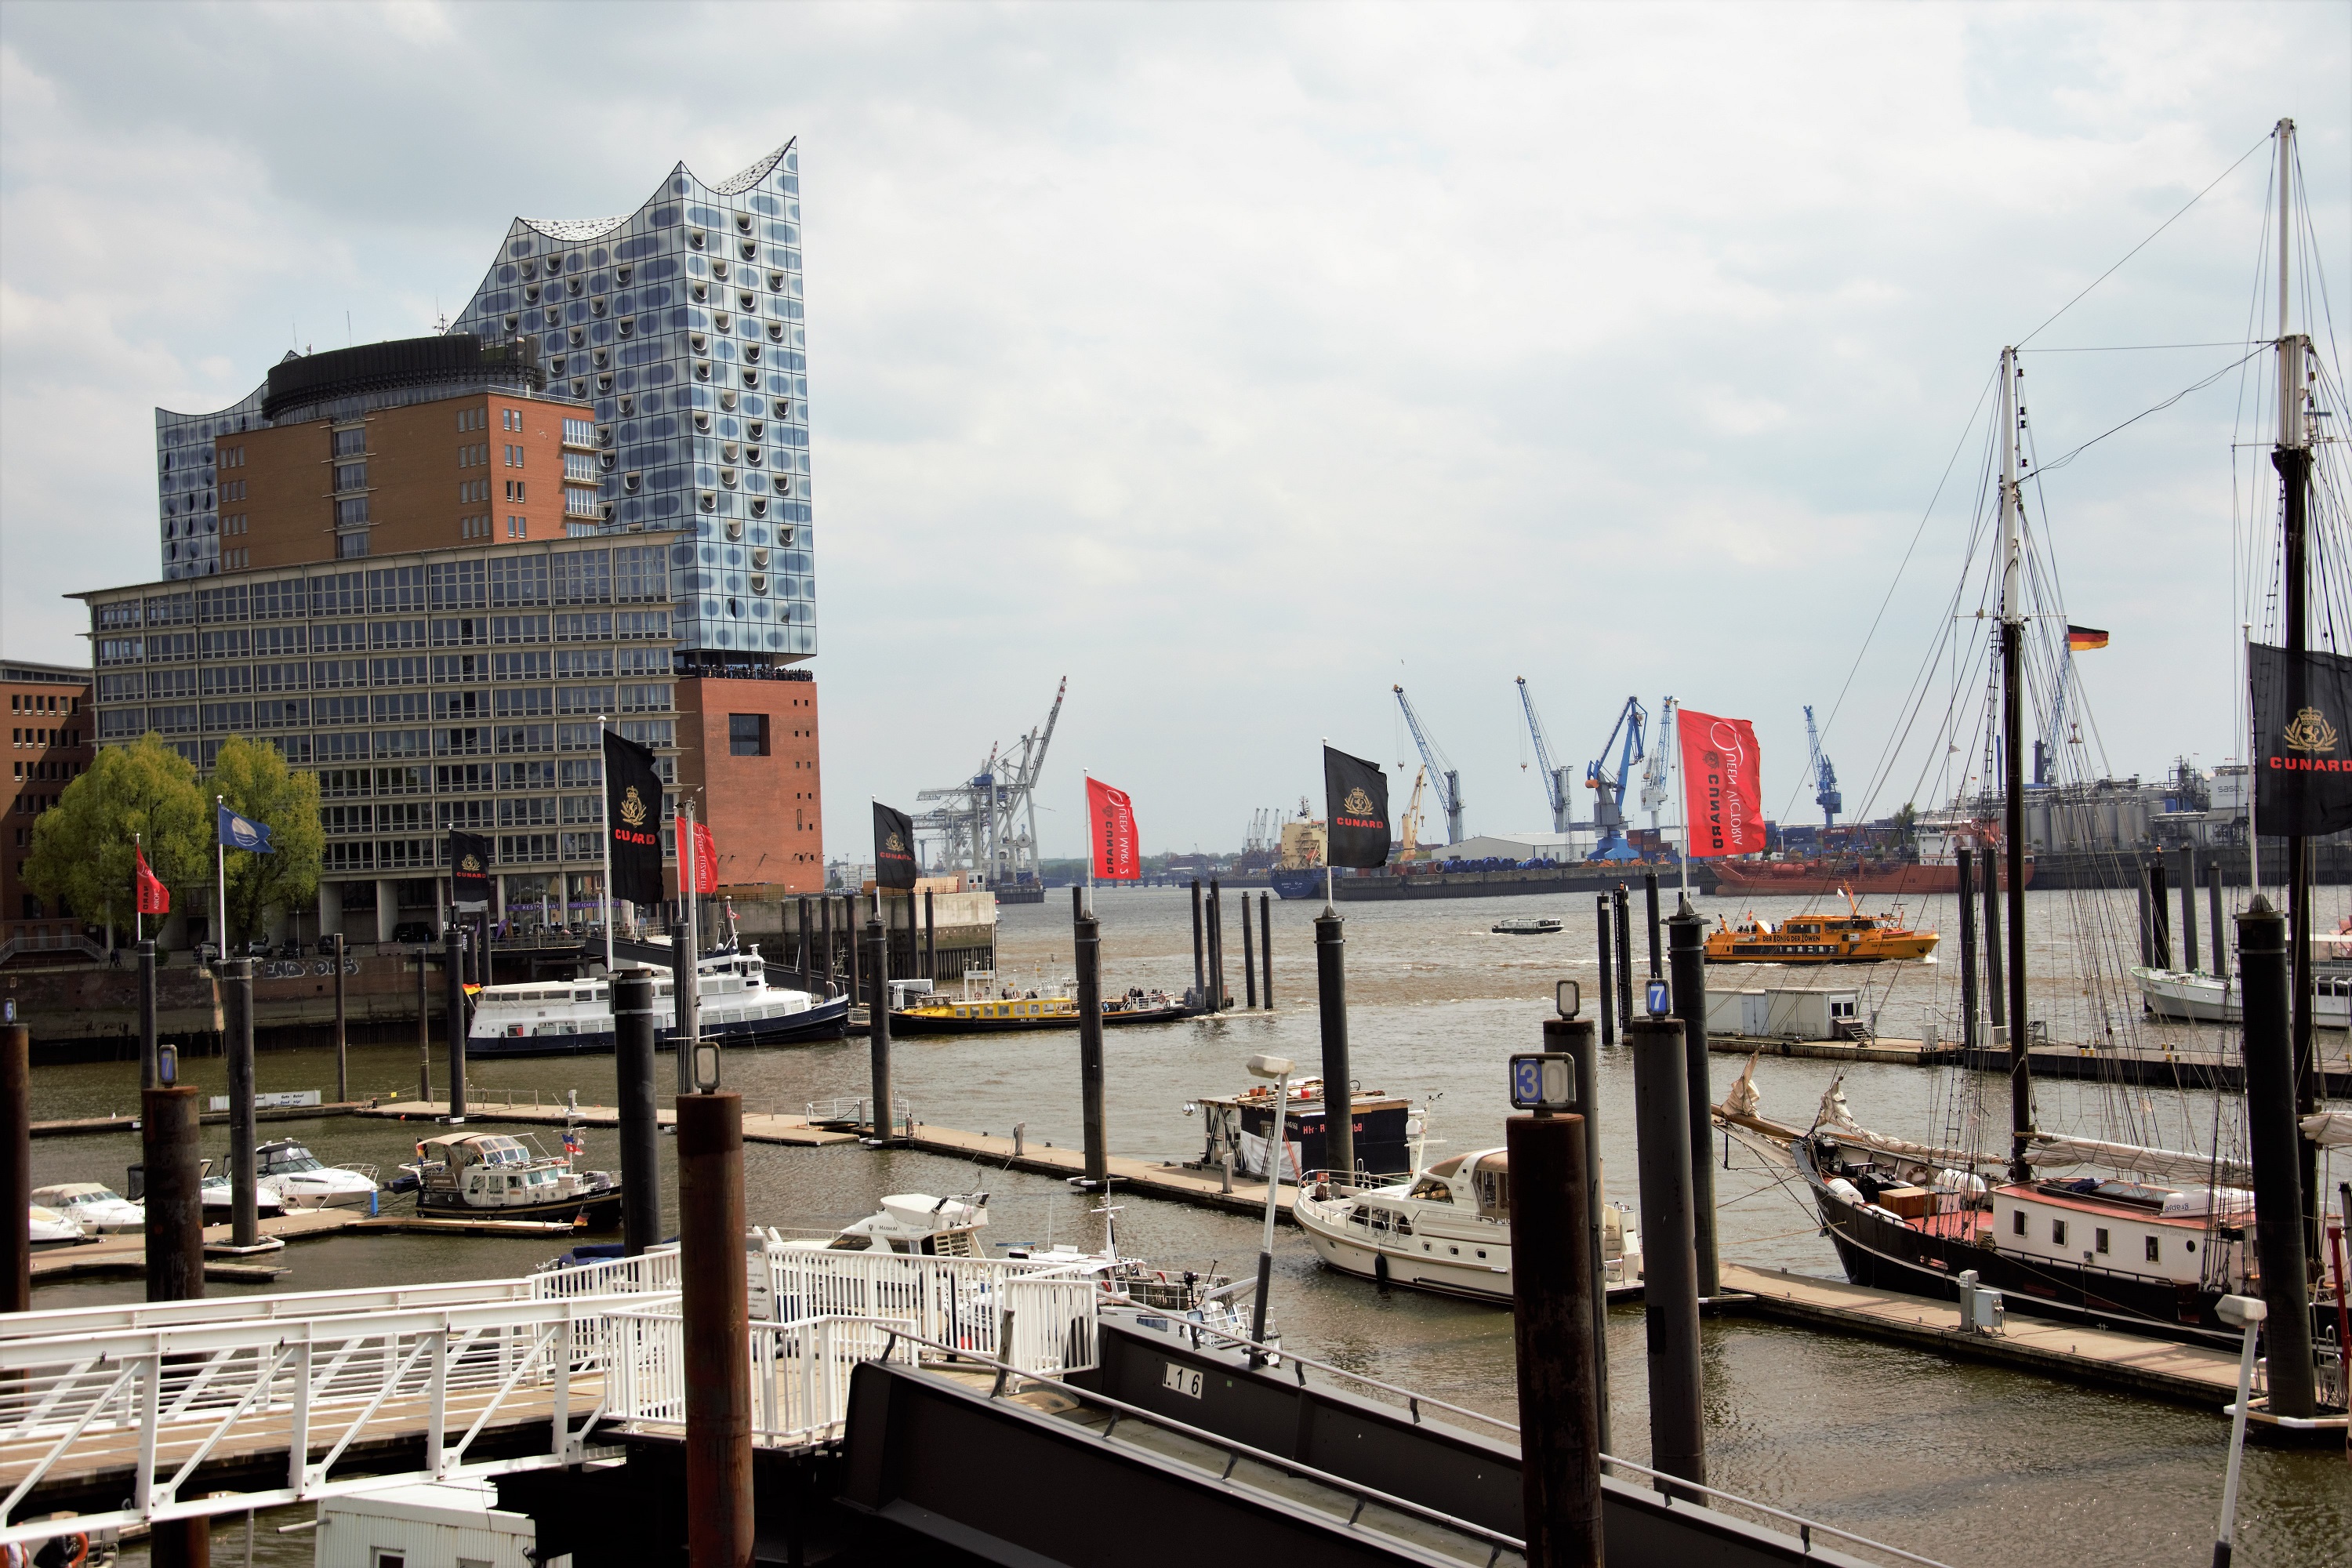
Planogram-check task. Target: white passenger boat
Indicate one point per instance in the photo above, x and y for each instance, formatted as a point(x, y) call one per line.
point(302, 1180)
point(549, 1018)
point(92, 1205)
point(1446, 1230)
point(1527, 925)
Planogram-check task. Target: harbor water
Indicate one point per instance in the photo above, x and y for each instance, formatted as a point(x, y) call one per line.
point(1962, 1463)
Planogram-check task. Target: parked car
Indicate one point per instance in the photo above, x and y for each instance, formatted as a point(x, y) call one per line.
point(327, 947)
point(207, 955)
point(413, 930)
point(290, 948)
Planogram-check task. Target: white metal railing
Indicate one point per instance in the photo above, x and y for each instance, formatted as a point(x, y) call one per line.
point(288, 1307)
point(50, 941)
point(957, 1301)
point(159, 1401)
point(799, 1373)
point(655, 1269)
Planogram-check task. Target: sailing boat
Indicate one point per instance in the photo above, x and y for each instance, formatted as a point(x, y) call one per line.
point(2155, 1247)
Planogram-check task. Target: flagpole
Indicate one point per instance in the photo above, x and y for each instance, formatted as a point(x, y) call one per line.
point(1674, 740)
point(1086, 783)
point(138, 893)
point(220, 873)
point(1330, 899)
point(605, 888)
point(2253, 763)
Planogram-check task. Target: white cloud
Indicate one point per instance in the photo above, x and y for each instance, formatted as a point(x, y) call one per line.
point(1230, 359)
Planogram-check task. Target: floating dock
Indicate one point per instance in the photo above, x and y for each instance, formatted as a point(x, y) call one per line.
point(2200, 1376)
point(757, 1128)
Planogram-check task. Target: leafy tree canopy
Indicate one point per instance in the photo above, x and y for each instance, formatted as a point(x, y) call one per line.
point(82, 849)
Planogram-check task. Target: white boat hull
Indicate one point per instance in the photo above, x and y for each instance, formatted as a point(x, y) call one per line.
point(1450, 1268)
point(2210, 999)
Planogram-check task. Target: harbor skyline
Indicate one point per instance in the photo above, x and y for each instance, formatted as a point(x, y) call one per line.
point(1239, 366)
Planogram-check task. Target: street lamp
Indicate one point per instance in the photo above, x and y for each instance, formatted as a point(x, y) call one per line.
point(2245, 1312)
point(1280, 1070)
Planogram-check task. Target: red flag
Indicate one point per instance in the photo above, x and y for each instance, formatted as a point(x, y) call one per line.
point(1110, 825)
point(154, 899)
point(1723, 785)
point(706, 859)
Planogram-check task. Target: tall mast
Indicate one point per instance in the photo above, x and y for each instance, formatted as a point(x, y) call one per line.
point(2293, 459)
point(2013, 730)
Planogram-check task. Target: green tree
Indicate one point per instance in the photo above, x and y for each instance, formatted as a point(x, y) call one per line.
point(255, 782)
point(82, 849)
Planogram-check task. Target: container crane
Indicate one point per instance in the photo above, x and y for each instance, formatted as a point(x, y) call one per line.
point(1555, 778)
point(1825, 788)
point(1609, 789)
point(1653, 773)
point(1442, 772)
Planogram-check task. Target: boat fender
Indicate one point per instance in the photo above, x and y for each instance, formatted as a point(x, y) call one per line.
point(1846, 1190)
point(1380, 1270)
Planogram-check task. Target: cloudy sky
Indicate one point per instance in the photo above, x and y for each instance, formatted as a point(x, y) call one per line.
point(1238, 363)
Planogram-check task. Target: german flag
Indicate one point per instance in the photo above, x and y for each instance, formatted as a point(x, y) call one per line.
point(2080, 638)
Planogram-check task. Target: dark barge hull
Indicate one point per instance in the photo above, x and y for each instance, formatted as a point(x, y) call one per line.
point(1881, 1255)
point(902, 1024)
point(822, 1021)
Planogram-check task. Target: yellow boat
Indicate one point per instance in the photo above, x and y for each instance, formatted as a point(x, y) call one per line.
point(1850, 937)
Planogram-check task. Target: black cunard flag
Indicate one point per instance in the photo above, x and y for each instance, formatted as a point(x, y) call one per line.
point(2302, 741)
point(894, 848)
point(471, 855)
point(633, 820)
point(1356, 804)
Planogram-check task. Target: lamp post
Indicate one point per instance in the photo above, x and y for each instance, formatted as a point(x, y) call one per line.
point(2245, 1312)
point(1278, 1069)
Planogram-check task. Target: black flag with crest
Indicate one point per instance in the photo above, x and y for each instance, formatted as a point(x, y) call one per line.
point(633, 812)
point(2302, 741)
point(471, 855)
point(894, 849)
point(1356, 804)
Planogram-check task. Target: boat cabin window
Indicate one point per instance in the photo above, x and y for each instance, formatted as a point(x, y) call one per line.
point(1494, 1194)
point(2058, 1233)
point(849, 1244)
point(2153, 1250)
point(2100, 1241)
point(2017, 1223)
point(1434, 1188)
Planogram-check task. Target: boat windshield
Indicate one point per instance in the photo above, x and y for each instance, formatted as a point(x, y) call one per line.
point(1434, 1188)
point(293, 1158)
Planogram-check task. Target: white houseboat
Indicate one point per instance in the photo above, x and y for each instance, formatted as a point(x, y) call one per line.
point(552, 1018)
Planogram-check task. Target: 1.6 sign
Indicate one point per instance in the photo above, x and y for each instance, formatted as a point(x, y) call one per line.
point(1543, 1082)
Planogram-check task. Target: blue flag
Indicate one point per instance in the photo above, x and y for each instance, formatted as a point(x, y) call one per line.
point(244, 833)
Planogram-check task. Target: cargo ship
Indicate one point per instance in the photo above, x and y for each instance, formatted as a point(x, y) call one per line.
point(1298, 869)
point(1935, 869)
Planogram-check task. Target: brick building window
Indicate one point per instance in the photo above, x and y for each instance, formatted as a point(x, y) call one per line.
point(747, 734)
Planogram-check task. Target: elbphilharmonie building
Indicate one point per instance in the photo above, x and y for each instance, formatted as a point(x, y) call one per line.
point(680, 325)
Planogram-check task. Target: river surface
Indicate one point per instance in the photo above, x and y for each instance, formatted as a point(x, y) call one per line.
point(1966, 1464)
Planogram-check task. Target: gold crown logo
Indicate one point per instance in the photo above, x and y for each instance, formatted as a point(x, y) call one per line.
point(2310, 732)
point(894, 844)
point(632, 807)
point(471, 865)
point(1358, 803)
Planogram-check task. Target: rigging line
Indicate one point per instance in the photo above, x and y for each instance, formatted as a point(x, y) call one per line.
point(2056, 463)
point(2143, 244)
point(1949, 463)
point(2144, 348)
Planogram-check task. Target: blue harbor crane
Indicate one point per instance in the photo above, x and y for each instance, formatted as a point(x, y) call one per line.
point(1609, 789)
point(1825, 789)
point(1442, 772)
point(1555, 778)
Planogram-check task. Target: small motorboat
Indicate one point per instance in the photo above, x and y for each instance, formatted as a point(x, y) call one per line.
point(302, 1182)
point(219, 1199)
point(1448, 1230)
point(51, 1229)
point(1527, 925)
point(492, 1175)
point(1386, 1129)
point(916, 1224)
point(94, 1206)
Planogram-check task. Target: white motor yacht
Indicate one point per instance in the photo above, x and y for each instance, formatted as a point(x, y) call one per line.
point(571, 1017)
point(302, 1182)
point(92, 1205)
point(912, 1222)
point(1446, 1230)
point(51, 1229)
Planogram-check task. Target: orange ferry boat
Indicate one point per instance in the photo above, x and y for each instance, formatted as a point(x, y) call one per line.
point(1850, 937)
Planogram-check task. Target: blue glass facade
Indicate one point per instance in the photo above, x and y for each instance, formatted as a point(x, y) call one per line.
point(681, 325)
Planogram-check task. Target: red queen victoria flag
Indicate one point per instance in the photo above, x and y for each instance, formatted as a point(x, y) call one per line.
point(1110, 827)
point(1723, 788)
